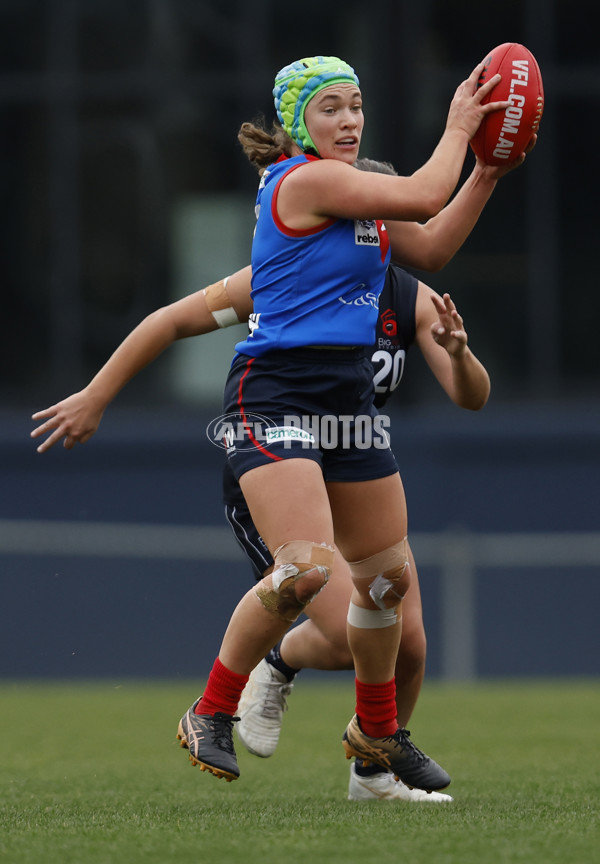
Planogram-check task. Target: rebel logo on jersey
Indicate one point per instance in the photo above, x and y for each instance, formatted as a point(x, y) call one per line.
point(371, 232)
point(366, 233)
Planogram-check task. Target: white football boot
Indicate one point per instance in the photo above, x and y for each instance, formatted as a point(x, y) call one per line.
point(383, 786)
point(261, 709)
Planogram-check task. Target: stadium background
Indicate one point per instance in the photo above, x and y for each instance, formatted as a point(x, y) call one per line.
point(123, 187)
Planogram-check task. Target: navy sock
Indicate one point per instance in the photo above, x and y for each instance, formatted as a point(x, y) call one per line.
point(367, 770)
point(275, 659)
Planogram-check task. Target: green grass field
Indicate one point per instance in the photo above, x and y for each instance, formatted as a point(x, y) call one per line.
point(92, 773)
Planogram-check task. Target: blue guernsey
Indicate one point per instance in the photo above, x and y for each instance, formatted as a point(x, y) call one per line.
point(314, 287)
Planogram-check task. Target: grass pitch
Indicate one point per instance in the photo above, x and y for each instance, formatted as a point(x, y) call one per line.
point(93, 774)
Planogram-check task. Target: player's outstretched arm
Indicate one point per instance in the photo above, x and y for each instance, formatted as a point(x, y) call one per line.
point(442, 338)
point(431, 245)
point(76, 418)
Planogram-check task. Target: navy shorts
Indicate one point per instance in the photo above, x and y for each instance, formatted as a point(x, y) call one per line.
point(244, 529)
point(312, 403)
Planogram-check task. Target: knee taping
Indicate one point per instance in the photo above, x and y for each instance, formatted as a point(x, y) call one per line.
point(389, 574)
point(219, 304)
point(300, 571)
point(372, 619)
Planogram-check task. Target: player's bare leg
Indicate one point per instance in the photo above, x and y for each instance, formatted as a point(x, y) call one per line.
point(264, 614)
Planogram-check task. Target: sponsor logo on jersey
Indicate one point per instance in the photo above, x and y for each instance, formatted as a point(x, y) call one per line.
point(389, 324)
point(366, 233)
point(359, 296)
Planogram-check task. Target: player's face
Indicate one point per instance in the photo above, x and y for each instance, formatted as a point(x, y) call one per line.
point(335, 121)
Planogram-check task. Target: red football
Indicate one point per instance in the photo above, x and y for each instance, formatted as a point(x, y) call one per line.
point(503, 135)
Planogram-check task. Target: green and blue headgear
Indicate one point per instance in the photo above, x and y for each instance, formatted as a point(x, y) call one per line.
point(295, 86)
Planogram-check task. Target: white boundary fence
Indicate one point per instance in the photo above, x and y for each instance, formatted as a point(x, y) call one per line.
point(457, 554)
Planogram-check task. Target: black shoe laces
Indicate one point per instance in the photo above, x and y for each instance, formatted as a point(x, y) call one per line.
point(222, 731)
point(402, 739)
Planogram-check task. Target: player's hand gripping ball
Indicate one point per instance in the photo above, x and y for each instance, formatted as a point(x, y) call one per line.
point(504, 135)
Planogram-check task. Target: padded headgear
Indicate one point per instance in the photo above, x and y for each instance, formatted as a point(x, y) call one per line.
point(295, 86)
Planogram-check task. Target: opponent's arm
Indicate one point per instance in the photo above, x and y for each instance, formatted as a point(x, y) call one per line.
point(429, 246)
point(77, 417)
point(443, 342)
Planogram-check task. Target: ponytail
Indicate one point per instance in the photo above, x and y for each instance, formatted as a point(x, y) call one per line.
point(263, 147)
